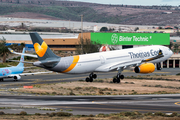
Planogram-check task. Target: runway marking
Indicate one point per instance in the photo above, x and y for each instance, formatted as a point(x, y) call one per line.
point(89, 108)
point(177, 103)
point(126, 106)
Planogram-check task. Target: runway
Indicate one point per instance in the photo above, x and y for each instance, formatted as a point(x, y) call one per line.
point(92, 104)
point(85, 104)
point(56, 78)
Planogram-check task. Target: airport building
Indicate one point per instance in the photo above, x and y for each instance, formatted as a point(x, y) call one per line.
point(68, 42)
point(57, 42)
point(172, 62)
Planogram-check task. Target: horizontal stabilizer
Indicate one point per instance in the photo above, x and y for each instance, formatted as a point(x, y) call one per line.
point(24, 67)
point(20, 61)
point(49, 63)
point(25, 74)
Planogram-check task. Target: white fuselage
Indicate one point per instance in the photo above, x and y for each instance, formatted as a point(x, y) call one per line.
point(110, 60)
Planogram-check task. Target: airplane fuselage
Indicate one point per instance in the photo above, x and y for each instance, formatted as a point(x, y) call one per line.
point(107, 61)
point(4, 72)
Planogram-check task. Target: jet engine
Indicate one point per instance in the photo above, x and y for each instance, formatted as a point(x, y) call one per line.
point(17, 77)
point(145, 68)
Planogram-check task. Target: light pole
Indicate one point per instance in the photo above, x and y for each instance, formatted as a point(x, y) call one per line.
point(82, 33)
point(81, 26)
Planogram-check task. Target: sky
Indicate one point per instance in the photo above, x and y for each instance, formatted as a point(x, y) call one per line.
point(135, 2)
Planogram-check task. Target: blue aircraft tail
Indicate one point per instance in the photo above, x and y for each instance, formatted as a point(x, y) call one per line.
point(21, 64)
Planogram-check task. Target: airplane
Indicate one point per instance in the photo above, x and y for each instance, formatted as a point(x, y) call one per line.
point(15, 72)
point(142, 58)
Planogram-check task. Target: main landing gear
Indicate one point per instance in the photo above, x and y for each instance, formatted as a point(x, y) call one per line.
point(119, 77)
point(1, 79)
point(91, 77)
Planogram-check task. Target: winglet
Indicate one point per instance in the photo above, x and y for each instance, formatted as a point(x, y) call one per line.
point(12, 51)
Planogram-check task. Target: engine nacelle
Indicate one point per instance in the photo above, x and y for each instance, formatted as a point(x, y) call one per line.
point(145, 68)
point(17, 77)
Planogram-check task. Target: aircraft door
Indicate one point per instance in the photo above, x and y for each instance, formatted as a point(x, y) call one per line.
point(102, 59)
point(165, 51)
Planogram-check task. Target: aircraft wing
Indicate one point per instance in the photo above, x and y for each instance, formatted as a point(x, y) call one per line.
point(124, 64)
point(30, 55)
point(127, 63)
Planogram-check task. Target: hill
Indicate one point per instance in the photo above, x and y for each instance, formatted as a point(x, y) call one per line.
point(69, 10)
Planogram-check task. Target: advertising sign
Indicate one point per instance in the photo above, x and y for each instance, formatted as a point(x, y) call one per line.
point(131, 38)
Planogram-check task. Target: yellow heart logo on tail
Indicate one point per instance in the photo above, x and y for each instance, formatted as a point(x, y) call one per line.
point(40, 50)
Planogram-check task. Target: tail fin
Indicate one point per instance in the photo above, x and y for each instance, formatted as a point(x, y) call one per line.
point(41, 48)
point(21, 64)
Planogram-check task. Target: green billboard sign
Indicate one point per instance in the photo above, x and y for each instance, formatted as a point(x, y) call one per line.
point(131, 38)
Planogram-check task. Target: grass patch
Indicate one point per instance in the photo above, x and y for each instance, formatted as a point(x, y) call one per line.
point(113, 116)
point(47, 109)
point(178, 74)
point(152, 78)
point(160, 86)
point(5, 108)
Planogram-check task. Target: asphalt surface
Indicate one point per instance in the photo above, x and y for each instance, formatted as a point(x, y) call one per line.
point(85, 104)
point(56, 78)
point(92, 104)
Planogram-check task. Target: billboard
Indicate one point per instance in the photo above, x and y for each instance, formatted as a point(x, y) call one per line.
point(131, 38)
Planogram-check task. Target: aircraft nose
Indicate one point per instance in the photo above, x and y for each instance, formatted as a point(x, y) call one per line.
point(171, 52)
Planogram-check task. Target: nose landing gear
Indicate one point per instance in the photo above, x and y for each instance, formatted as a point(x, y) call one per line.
point(91, 77)
point(159, 66)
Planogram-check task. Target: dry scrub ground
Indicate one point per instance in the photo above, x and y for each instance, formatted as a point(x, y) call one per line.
point(131, 85)
point(115, 116)
point(33, 117)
